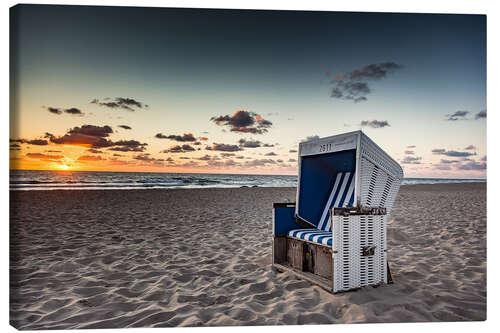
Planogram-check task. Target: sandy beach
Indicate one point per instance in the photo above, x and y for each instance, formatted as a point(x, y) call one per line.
point(202, 257)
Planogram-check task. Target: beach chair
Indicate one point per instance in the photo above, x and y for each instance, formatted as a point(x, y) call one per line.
point(335, 234)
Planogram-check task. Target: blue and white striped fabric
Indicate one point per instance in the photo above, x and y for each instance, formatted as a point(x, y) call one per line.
point(312, 235)
point(341, 195)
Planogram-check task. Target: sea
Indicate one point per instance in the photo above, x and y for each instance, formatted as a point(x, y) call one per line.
point(94, 180)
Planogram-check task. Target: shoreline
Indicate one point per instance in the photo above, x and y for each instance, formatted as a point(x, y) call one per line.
point(208, 187)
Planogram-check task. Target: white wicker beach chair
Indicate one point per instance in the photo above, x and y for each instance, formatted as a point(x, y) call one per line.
point(335, 233)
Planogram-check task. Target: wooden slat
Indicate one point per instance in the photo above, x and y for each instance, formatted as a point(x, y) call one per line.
point(312, 278)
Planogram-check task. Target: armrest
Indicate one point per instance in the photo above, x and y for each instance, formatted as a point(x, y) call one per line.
point(345, 211)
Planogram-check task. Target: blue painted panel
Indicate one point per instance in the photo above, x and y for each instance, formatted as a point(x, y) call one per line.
point(317, 178)
point(284, 220)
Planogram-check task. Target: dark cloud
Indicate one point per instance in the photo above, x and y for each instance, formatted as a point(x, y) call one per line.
point(458, 115)
point(244, 122)
point(124, 103)
point(73, 111)
point(472, 165)
point(45, 157)
point(147, 158)
point(411, 147)
point(94, 151)
point(224, 147)
point(411, 160)
point(409, 152)
point(292, 160)
point(271, 154)
point(480, 114)
point(179, 149)
point(292, 151)
point(125, 127)
point(93, 136)
point(118, 155)
point(354, 85)
point(15, 145)
point(86, 135)
point(35, 142)
point(227, 154)
point(452, 153)
point(128, 149)
point(186, 137)
point(375, 123)
point(470, 147)
point(248, 143)
point(54, 110)
point(205, 158)
point(90, 158)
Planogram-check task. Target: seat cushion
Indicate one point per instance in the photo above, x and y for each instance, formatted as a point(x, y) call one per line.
point(312, 235)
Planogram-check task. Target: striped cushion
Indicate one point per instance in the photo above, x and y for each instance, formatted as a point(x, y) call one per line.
point(341, 195)
point(312, 235)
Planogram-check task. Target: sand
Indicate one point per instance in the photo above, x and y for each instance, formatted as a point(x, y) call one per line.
point(202, 257)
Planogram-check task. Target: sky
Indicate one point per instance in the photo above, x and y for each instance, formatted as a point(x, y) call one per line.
point(235, 91)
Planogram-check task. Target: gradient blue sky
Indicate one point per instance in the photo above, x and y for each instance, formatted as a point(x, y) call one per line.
point(191, 65)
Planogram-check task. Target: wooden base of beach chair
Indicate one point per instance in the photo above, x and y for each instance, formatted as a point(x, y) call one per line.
point(312, 262)
point(309, 260)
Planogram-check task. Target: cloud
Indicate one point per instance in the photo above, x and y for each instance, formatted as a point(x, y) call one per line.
point(244, 122)
point(449, 161)
point(259, 162)
point(442, 167)
point(94, 151)
point(90, 158)
point(411, 147)
point(93, 136)
point(452, 153)
point(129, 149)
point(292, 151)
point(480, 114)
point(409, 152)
point(375, 123)
point(271, 154)
point(354, 85)
point(248, 143)
point(227, 154)
point(179, 149)
point(202, 138)
point(125, 127)
point(458, 115)
point(72, 111)
point(44, 157)
point(35, 142)
point(483, 158)
point(224, 147)
point(124, 103)
point(411, 160)
point(292, 160)
point(310, 138)
point(470, 147)
point(146, 158)
point(186, 137)
point(472, 165)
